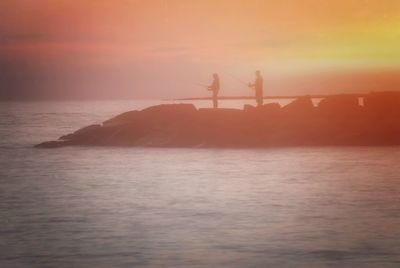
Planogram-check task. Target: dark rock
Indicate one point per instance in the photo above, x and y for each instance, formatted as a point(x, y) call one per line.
point(383, 104)
point(339, 106)
point(300, 105)
point(81, 132)
point(249, 108)
point(271, 107)
point(338, 120)
point(266, 108)
point(50, 144)
point(122, 118)
point(339, 102)
point(170, 110)
point(222, 113)
point(166, 114)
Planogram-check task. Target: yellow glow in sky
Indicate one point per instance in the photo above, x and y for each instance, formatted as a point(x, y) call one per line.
point(199, 37)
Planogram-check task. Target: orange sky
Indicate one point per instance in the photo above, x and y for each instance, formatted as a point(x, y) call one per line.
point(159, 48)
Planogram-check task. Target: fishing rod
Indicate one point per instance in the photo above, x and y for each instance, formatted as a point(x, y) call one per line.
point(238, 79)
point(201, 85)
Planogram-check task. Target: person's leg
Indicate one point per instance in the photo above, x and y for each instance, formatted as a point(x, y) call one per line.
point(215, 99)
point(259, 98)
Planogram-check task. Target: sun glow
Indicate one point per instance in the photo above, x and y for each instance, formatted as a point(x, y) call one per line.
point(127, 43)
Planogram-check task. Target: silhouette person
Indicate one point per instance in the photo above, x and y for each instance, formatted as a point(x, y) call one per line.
point(258, 87)
point(214, 87)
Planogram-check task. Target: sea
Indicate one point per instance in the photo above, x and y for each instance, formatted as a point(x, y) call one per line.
point(193, 207)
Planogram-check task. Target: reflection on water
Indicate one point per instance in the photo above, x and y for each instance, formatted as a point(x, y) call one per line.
point(132, 207)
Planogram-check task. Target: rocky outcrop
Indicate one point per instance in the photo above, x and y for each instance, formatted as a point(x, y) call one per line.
point(300, 105)
point(339, 103)
point(383, 104)
point(337, 120)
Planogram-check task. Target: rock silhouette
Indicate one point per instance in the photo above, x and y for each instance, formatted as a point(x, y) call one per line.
point(338, 120)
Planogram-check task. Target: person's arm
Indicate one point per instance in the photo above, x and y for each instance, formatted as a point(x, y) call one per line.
point(212, 86)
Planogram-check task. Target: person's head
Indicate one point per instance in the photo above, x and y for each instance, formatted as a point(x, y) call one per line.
point(258, 73)
point(215, 76)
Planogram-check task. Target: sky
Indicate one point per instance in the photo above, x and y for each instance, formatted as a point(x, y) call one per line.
point(124, 49)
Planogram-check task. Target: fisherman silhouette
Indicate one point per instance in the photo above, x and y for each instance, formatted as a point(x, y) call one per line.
point(214, 87)
point(258, 87)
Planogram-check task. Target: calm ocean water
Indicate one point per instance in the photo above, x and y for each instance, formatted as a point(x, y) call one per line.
point(136, 207)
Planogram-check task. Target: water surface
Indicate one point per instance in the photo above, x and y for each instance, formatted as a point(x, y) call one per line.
point(147, 207)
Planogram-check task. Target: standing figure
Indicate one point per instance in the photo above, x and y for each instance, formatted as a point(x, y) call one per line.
point(214, 87)
point(258, 87)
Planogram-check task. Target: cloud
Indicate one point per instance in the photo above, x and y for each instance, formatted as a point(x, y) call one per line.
point(41, 37)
